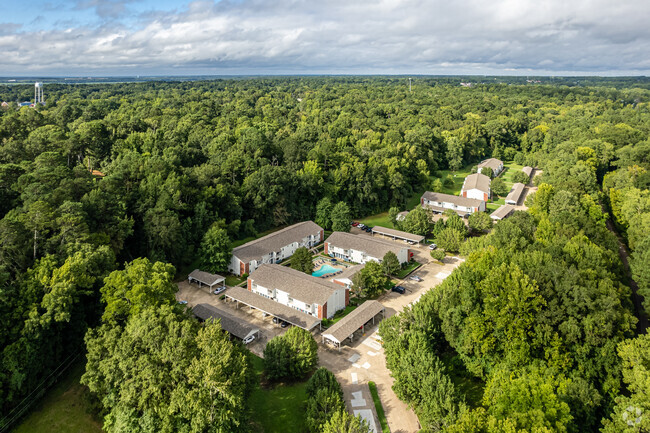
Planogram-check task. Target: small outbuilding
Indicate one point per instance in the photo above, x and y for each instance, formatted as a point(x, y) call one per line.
point(397, 234)
point(502, 212)
point(515, 194)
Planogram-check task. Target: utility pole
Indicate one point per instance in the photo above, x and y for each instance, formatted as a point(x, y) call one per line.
point(409, 85)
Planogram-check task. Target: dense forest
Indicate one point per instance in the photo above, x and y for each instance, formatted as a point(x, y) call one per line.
point(107, 191)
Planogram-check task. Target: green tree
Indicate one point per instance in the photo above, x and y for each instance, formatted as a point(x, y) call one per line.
point(498, 187)
point(392, 215)
point(436, 185)
point(343, 422)
point(390, 264)
point(416, 222)
point(640, 265)
point(215, 251)
point(291, 355)
point(520, 177)
point(140, 285)
point(302, 261)
point(341, 217)
point(488, 172)
point(454, 221)
point(322, 379)
point(480, 221)
point(324, 213)
point(450, 239)
point(374, 280)
point(449, 181)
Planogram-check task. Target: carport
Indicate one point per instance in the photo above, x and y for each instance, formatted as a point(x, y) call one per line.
point(357, 319)
point(397, 234)
point(229, 323)
point(270, 307)
point(206, 278)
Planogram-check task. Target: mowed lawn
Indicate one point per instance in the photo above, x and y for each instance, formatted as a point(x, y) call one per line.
point(63, 409)
point(510, 168)
point(279, 409)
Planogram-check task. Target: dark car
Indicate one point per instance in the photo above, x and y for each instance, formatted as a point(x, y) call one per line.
point(283, 324)
point(276, 320)
point(399, 289)
point(368, 229)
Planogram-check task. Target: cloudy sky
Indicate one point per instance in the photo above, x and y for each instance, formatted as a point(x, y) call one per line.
point(166, 37)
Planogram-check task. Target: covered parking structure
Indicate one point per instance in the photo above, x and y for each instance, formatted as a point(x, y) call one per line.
point(229, 323)
point(272, 308)
point(397, 234)
point(357, 319)
point(206, 279)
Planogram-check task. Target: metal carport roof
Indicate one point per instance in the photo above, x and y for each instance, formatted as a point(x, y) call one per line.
point(288, 314)
point(347, 326)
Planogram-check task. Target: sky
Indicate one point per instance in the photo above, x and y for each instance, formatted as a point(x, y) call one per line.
point(275, 37)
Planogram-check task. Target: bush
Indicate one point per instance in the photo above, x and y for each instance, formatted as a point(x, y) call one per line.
point(438, 254)
point(449, 181)
point(488, 172)
point(520, 177)
point(499, 187)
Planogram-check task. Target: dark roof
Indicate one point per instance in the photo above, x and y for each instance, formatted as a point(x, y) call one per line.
point(288, 314)
point(300, 286)
point(397, 233)
point(515, 193)
point(234, 325)
point(502, 212)
point(275, 241)
point(353, 321)
point(477, 181)
point(372, 246)
point(206, 278)
point(447, 198)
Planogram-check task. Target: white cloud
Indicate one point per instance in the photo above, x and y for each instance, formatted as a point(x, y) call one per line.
point(336, 36)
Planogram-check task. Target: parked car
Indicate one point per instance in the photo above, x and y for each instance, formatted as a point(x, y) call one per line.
point(433, 246)
point(354, 223)
point(284, 324)
point(182, 302)
point(399, 289)
point(219, 290)
point(248, 339)
point(415, 278)
point(368, 229)
point(361, 226)
point(276, 320)
point(333, 260)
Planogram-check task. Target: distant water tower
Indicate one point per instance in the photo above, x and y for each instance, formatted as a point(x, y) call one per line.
point(38, 94)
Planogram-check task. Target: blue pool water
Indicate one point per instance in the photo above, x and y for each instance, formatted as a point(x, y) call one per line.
point(323, 270)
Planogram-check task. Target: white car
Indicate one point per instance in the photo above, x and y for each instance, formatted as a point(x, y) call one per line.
point(182, 302)
point(249, 339)
point(361, 226)
point(415, 278)
point(219, 290)
point(433, 246)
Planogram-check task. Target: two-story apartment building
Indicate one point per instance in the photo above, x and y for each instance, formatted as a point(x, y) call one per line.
point(476, 186)
point(311, 295)
point(495, 164)
point(274, 247)
point(361, 249)
point(439, 202)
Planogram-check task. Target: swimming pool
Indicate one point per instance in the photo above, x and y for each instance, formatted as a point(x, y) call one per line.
point(324, 270)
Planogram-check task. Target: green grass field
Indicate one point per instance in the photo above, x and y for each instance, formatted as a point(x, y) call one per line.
point(407, 269)
point(63, 409)
point(510, 168)
point(379, 407)
point(280, 409)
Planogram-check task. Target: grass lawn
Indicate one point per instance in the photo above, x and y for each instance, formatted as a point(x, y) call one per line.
point(491, 207)
point(63, 409)
point(409, 268)
point(280, 409)
point(459, 178)
point(233, 280)
point(378, 407)
point(381, 220)
point(509, 169)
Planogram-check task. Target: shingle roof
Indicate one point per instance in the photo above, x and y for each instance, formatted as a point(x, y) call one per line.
point(372, 246)
point(397, 233)
point(205, 277)
point(477, 181)
point(493, 163)
point(502, 212)
point(528, 170)
point(447, 198)
point(515, 193)
point(275, 241)
point(300, 286)
point(348, 272)
point(353, 321)
point(288, 314)
point(234, 325)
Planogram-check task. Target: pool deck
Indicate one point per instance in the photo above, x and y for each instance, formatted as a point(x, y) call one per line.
point(338, 265)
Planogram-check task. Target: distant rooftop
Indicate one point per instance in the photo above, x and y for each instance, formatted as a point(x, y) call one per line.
point(275, 241)
point(301, 286)
point(372, 246)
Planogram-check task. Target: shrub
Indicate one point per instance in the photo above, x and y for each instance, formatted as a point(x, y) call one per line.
point(291, 355)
